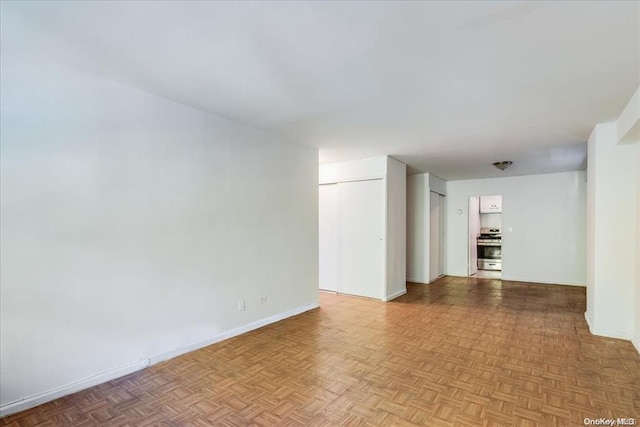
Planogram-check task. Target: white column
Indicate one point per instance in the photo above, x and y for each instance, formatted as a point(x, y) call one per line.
point(612, 219)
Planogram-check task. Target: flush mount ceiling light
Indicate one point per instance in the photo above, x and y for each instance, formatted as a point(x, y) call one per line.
point(503, 165)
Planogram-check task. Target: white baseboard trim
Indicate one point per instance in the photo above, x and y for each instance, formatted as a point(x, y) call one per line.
point(586, 317)
point(519, 279)
point(396, 294)
point(39, 399)
point(605, 332)
point(112, 374)
point(436, 279)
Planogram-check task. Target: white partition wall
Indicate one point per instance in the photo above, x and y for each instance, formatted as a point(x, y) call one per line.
point(636, 336)
point(435, 227)
point(611, 230)
point(362, 227)
point(328, 237)
point(426, 203)
point(396, 228)
point(474, 230)
point(627, 133)
point(418, 228)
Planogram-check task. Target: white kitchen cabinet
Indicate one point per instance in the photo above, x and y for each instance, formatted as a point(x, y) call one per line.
point(490, 204)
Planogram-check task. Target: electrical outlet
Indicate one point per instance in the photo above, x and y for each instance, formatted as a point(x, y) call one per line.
point(145, 362)
point(241, 305)
point(263, 300)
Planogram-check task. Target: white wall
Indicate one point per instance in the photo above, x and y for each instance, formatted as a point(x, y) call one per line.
point(491, 220)
point(132, 226)
point(628, 124)
point(436, 235)
point(354, 170)
point(437, 184)
point(612, 227)
point(628, 132)
point(396, 185)
point(546, 216)
point(418, 228)
point(591, 224)
point(636, 335)
point(419, 188)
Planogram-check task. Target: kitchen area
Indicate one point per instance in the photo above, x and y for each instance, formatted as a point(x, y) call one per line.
point(485, 236)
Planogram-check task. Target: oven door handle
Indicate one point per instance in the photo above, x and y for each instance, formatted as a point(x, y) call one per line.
point(489, 243)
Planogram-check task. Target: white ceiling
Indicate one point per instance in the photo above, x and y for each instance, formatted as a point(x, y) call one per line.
point(446, 87)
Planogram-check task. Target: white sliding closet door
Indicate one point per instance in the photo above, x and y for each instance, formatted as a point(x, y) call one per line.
point(361, 253)
point(328, 237)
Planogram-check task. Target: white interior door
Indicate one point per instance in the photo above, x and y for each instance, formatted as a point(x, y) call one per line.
point(474, 230)
point(328, 237)
point(361, 238)
point(434, 236)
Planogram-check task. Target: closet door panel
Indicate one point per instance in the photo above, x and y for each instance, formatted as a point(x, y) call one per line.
point(361, 243)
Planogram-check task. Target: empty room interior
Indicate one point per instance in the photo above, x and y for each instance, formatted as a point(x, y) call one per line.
point(319, 213)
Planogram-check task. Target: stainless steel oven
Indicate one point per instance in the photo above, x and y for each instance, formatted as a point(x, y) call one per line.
point(490, 249)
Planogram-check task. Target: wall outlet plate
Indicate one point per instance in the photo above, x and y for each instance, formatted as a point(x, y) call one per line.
point(241, 306)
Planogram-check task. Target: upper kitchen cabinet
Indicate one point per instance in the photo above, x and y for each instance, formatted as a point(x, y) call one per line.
point(490, 204)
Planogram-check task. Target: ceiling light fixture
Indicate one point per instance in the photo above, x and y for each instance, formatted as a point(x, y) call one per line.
point(503, 165)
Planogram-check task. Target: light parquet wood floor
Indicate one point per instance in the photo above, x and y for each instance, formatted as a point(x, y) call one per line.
point(459, 352)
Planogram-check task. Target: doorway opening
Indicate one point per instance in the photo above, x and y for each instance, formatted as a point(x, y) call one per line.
point(485, 237)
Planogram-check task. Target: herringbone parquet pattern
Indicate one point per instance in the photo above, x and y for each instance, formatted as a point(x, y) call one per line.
point(459, 352)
